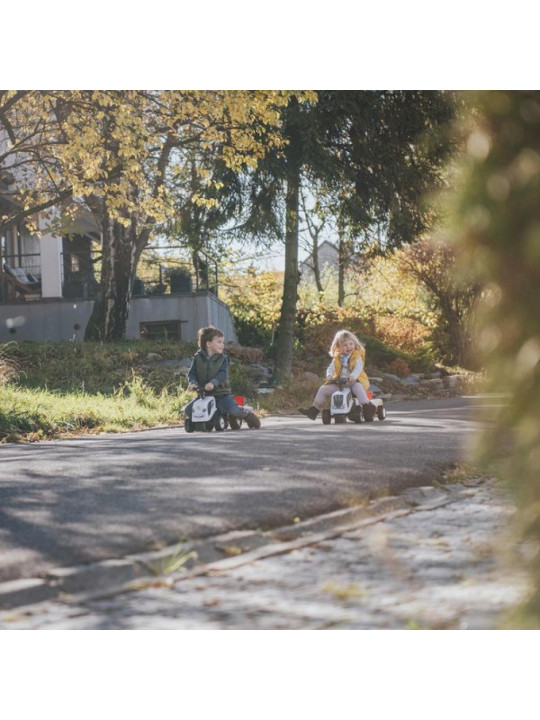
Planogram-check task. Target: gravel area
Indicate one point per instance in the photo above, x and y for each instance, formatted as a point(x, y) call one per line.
point(448, 562)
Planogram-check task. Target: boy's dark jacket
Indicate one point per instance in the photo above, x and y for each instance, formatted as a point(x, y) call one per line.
point(213, 369)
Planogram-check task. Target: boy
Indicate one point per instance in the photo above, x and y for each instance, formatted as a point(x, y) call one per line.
point(210, 370)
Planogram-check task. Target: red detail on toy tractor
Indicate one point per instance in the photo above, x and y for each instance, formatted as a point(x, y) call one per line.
point(239, 400)
point(370, 395)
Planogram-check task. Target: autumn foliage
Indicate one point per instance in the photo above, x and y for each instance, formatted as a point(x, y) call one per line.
point(128, 155)
point(454, 295)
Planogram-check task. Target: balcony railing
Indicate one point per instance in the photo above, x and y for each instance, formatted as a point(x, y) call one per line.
point(20, 276)
point(160, 273)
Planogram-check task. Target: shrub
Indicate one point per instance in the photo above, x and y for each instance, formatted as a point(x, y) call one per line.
point(422, 361)
point(318, 325)
point(241, 380)
point(399, 367)
point(250, 333)
point(244, 354)
point(378, 354)
point(401, 333)
point(455, 296)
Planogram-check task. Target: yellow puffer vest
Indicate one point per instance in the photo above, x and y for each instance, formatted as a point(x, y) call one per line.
point(360, 352)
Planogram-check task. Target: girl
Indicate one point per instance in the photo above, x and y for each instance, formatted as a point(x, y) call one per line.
point(348, 357)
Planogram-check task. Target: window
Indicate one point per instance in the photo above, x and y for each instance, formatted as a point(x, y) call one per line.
point(161, 330)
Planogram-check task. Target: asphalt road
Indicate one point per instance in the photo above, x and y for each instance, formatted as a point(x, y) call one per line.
point(75, 501)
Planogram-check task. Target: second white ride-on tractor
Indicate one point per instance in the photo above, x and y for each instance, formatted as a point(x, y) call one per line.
point(345, 405)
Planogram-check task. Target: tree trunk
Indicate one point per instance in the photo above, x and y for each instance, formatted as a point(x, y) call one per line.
point(287, 321)
point(119, 261)
point(316, 266)
point(459, 340)
point(342, 253)
point(457, 331)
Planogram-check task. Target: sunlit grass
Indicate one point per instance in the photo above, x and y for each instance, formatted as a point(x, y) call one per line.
point(36, 414)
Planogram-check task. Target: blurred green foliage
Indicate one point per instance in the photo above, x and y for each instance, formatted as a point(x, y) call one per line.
point(497, 216)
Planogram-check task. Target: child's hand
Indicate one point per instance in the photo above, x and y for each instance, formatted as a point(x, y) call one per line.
point(209, 386)
point(351, 379)
point(192, 387)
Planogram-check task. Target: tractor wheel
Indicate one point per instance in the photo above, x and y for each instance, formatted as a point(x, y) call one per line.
point(220, 423)
point(188, 426)
point(326, 417)
point(381, 412)
point(340, 419)
point(235, 423)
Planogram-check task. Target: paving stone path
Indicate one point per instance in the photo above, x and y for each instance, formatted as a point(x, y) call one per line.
point(447, 562)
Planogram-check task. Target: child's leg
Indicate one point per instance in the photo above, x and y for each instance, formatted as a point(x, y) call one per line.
point(227, 406)
point(360, 392)
point(368, 409)
point(324, 392)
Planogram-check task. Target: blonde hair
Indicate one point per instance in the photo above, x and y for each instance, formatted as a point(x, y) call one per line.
point(344, 335)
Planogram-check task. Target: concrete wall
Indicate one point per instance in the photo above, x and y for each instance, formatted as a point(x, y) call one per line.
point(61, 319)
point(195, 310)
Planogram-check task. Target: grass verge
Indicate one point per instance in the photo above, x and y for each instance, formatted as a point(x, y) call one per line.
point(33, 414)
point(286, 400)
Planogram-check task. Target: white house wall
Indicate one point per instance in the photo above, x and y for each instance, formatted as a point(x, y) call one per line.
point(50, 248)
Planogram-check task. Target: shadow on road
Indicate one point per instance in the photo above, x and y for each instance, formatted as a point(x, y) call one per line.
point(81, 500)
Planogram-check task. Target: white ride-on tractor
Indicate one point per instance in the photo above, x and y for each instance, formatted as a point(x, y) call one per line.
point(344, 404)
point(205, 415)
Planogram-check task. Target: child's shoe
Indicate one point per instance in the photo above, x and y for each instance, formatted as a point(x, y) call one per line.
point(310, 412)
point(368, 411)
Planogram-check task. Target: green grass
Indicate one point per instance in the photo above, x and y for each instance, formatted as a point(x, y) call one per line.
point(34, 414)
point(49, 390)
point(57, 389)
point(92, 366)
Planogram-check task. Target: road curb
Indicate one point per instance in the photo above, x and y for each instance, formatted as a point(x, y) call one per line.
point(26, 591)
point(110, 577)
